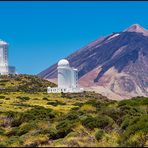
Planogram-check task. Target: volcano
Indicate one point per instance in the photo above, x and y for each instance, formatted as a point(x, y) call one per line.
point(115, 65)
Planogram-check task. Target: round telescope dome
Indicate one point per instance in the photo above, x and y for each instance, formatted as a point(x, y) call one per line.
point(63, 62)
point(2, 42)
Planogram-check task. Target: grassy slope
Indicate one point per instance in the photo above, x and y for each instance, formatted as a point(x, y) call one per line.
point(25, 83)
point(86, 119)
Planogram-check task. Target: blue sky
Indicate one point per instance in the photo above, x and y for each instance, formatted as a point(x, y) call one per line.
point(41, 33)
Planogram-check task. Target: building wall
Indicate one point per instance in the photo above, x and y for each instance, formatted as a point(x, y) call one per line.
point(3, 55)
point(74, 78)
point(64, 90)
point(4, 68)
point(64, 77)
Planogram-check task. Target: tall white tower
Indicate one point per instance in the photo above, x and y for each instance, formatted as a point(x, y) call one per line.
point(3, 57)
point(64, 74)
point(4, 67)
point(67, 79)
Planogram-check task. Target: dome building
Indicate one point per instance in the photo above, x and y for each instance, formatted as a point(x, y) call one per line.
point(64, 74)
point(67, 79)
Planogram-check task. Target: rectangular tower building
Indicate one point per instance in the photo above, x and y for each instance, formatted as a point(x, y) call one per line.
point(4, 67)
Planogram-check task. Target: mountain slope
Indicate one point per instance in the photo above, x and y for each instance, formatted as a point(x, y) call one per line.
point(115, 65)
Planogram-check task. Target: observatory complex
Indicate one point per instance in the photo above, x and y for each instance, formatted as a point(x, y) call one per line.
point(5, 69)
point(67, 79)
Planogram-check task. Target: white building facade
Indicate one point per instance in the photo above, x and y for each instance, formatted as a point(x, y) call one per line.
point(67, 79)
point(5, 69)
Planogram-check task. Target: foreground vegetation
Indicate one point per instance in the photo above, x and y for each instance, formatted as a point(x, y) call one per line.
point(86, 119)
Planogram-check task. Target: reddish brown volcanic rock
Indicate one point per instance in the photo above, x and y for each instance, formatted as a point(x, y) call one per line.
point(116, 65)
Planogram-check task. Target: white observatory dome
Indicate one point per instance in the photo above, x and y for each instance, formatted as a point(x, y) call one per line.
point(63, 62)
point(2, 42)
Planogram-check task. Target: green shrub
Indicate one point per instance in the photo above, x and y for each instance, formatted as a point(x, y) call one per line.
point(2, 97)
point(120, 113)
point(2, 131)
point(22, 104)
point(136, 125)
point(45, 99)
point(137, 101)
point(55, 103)
point(24, 98)
point(72, 116)
point(4, 81)
point(99, 134)
point(7, 98)
point(16, 122)
point(12, 132)
point(36, 113)
point(3, 144)
point(115, 114)
point(89, 122)
point(128, 121)
point(26, 128)
point(53, 134)
point(95, 103)
point(12, 140)
point(64, 128)
point(78, 104)
point(125, 123)
point(76, 108)
point(10, 114)
point(101, 121)
point(104, 121)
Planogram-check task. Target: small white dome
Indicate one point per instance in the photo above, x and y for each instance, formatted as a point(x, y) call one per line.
point(2, 42)
point(63, 62)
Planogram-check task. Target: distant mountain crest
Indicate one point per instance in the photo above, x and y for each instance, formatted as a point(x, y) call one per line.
point(137, 28)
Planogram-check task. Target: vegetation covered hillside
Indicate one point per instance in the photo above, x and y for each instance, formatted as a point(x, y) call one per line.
point(29, 118)
point(87, 119)
point(22, 82)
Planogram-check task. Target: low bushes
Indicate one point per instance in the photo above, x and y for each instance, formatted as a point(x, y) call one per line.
point(89, 122)
point(62, 129)
point(25, 128)
point(2, 97)
point(65, 125)
point(23, 98)
point(97, 122)
point(92, 120)
point(134, 101)
point(36, 113)
point(46, 99)
point(39, 113)
point(99, 134)
point(11, 142)
point(2, 131)
point(132, 129)
point(55, 103)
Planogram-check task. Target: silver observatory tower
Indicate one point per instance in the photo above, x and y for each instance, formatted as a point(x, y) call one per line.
point(67, 79)
point(5, 69)
point(67, 76)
